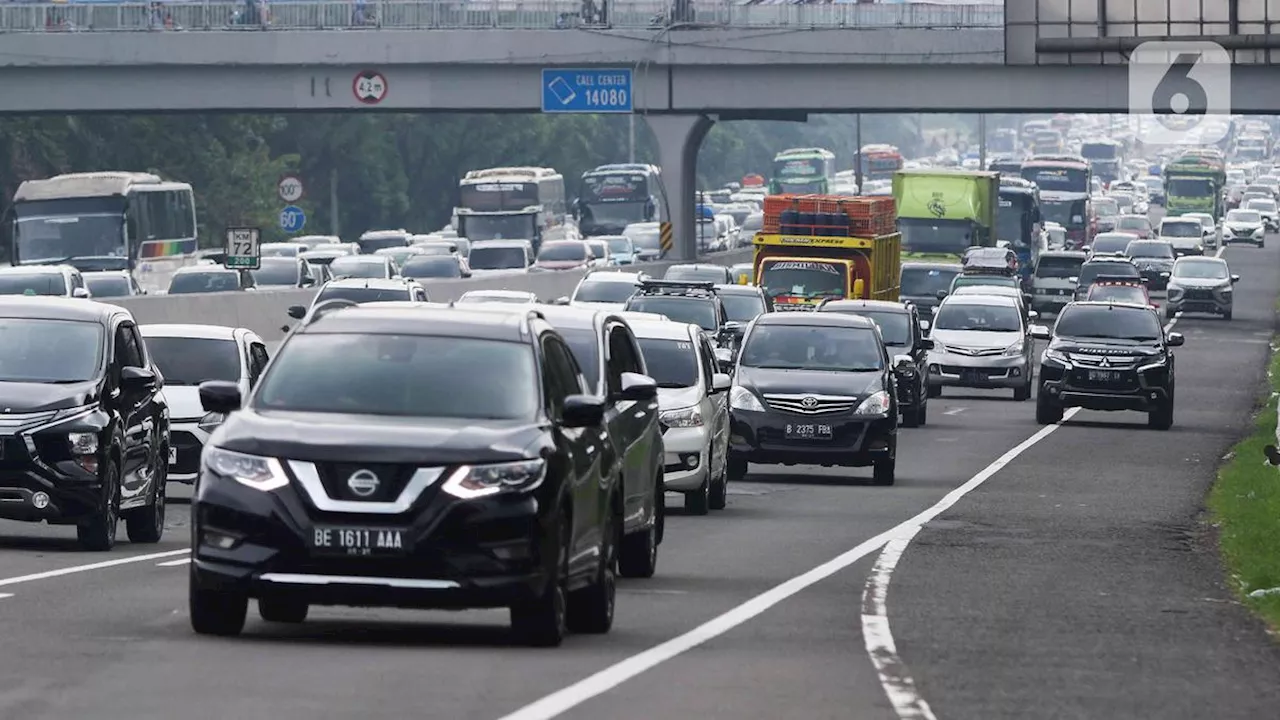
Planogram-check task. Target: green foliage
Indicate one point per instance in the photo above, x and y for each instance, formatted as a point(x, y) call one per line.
point(387, 170)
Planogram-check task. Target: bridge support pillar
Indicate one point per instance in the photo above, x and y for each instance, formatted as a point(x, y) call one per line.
point(678, 138)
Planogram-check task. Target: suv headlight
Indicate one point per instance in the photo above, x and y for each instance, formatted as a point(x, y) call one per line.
point(1014, 349)
point(259, 473)
point(741, 398)
point(211, 421)
point(476, 481)
point(1056, 356)
point(877, 403)
point(83, 443)
point(681, 417)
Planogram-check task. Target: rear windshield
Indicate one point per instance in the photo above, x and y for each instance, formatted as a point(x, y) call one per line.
point(1149, 249)
point(1187, 229)
point(1089, 271)
point(428, 266)
point(1111, 244)
point(203, 283)
point(604, 291)
point(1058, 267)
point(671, 363)
point(108, 286)
point(191, 361)
point(371, 245)
point(699, 311)
point(33, 284)
point(362, 295)
point(686, 273)
point(921, 282)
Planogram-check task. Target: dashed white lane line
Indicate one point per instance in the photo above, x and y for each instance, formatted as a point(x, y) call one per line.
point(174, 563)
point(601, 682)
point(5, 595)
point(954, 411)
point(894, 675)
point(91, 566)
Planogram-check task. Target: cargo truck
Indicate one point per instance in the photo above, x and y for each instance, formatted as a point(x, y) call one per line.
point(943, 213)
point(1194, 183)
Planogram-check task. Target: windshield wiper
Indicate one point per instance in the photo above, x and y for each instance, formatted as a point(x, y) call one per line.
point(672, 385)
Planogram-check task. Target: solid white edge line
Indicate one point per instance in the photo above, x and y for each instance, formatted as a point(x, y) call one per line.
point(876, 635)
point(601, 682)
point(174, 563)
point(92, 566)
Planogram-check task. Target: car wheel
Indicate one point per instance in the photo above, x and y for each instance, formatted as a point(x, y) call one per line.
point(720, 488)
point(1162, 417)
point(591, 608)
point(542, 621)
point(277, 610)
point(146, 525)
point(698, 502)
point(911, 414)
point(638, 557)
point(215, 612)
point(98, 533)
point(934, 391)
point(882, 473)
point(1024, 392)
point(1047, 412)
point(924, 412)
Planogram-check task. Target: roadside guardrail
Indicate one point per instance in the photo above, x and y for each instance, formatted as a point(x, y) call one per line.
point(356, 15)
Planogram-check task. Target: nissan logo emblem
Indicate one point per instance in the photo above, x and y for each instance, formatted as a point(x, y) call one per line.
point(363, 483)
point(809, 402)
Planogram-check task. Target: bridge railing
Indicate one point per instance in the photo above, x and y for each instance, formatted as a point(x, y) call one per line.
point(297, 15)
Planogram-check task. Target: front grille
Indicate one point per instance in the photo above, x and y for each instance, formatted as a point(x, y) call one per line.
point(188, 450)
point(15, 456)
point(1114, 362)
point(10, 422)
point(1197, 294)
point(811, 404)
point(391, 480)
point(974, 352)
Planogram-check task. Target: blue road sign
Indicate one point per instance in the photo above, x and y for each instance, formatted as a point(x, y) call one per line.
point(589, 90)
point(292, 219)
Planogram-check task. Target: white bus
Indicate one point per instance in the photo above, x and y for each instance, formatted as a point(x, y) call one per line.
point(514, 189)
point(106, 221)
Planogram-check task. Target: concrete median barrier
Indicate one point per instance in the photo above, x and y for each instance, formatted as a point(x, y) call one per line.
point(266, 312)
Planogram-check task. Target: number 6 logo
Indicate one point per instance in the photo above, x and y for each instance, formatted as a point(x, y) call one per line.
point(1179, 83)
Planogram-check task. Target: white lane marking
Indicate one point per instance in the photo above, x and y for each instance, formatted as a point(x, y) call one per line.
point(5, 595)
point(174, 563)
point(92, 566)
point(601, 682)
point(892, 671)
point(894, 677)
point(954, 411)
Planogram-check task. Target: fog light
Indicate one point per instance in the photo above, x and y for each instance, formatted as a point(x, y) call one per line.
point(40, 500)
point(935, 369)
point(1155, 396)
point(221, 541)
point(1016, 372)
point(690, 460)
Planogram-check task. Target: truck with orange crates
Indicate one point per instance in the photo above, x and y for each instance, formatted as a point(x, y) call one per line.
point(818, 247)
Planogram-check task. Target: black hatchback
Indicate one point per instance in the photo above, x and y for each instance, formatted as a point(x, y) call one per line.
point(451, 460)
point(84, 438)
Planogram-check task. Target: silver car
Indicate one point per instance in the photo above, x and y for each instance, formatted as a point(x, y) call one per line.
point(1201, 284)
point(981, 341)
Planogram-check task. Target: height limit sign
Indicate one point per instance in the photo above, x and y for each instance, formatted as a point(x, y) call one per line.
point(244, 250)
point(369, 87)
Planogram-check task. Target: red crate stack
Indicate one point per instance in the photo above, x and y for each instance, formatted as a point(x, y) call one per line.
point(868, 216)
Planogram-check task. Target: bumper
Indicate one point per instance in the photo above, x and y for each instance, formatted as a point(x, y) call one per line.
point(1051, 300)
point(760, 437)
point(67, 492)
point(687, 460)
point(1181, 250)
point(1199, 304)
point(1141, 391)
point(489, 552)
point(949, 370)
point(187, 440)
point(1249, 239)
point(1156, 279)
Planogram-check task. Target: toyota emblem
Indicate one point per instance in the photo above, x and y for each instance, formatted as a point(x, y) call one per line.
point(809, 403)
point(363, 483)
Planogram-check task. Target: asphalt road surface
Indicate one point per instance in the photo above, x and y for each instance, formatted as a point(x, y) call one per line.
point(1073, 582)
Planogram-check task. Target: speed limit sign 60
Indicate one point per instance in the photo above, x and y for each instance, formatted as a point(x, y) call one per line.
point(369, 87)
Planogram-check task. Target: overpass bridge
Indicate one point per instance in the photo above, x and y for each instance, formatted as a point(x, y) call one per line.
point(691, 62)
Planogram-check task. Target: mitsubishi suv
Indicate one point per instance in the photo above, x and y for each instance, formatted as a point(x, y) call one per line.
point(1201, 284)
point(451, 460)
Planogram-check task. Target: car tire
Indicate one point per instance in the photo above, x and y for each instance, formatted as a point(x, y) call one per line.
point(1169, 313)
point(98, 533)
point(542, 621)
point(146, 524)
point(1047, 412)
point(912, 414)
point(1227, 316)
point(660, 489)
point(719, 496)
point(277, 610)
point(1023, 393)
point(591, 608)
point(1262, 244)
point(882, 473)
point(698, 502)
point(638, 556)
point(1161, 418)
point(215, 612)
point(934, 391)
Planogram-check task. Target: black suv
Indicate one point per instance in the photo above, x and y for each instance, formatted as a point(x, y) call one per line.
point(411, 457)
point(1114, 267)
point(1107, 356)
point(612, 362)
point(84, 438)
point(900, 328)
point(815, 389)
point(686, 302)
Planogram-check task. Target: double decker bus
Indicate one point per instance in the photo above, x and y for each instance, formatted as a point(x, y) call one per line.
point(1064, 195)
point(612, 197)
point(105, 221)
point(806, 171)
point(511, 203)
point(879, 162)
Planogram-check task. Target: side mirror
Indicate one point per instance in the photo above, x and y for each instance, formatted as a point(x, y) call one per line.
point(1032, 314)
point(925, 325)
point(297, 312)
point(1073, 279)
point(308, 281)
point(638, 387)
point(80, 293)
point(942, 295)
point(220, 396)
point(1175, 339)
point(582, 411)
point(926, 343)
point(136, 378)
point(1027, 298)
point(562, 300)
point(1040, 332)
point(1235, 279)
point(720, 382)
point(903, 362)
point(725, 360)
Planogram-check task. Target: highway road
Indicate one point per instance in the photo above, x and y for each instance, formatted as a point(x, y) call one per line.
point(1072, 579)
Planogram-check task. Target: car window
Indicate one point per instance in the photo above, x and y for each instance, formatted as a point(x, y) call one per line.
point(671, 363)
point(190, 361)
point(741, 307)
point(1108, 322)
point(623, 357)
point(48, 351)
point(972, 316)
point(258, 359)
point(812, 347)
point(604, 291)
point(698, 311)
point(562, 376)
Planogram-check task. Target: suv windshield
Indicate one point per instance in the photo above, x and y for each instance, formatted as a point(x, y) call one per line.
point(191, 361)
point(1200, 270)
point(812, 347)
point(699, 311)
point(1049, 266)
point(33, 284)
point(1186, 229)
point(604, 291)
point(402, 375)
point(1150, 249)
point(361, 295)
point(926, 282)
point(671, 363)
point(1263, 205)
point(1244, 216)
point(1103, 244)
point(1108, 322)
point(972, 316)
point(49, 351)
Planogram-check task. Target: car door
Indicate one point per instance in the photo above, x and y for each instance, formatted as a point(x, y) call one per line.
point(717, 404)
point(632, 425)
point(136, 417)
point(582, 447)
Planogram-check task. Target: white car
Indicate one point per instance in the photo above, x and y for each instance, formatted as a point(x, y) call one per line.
point(694, 411)
point(187, 355)
point(1268, 210)
point(500, 257)
point(46, 280)
point(507, 297)
point(605, 290)
point(1244, 226)
point(1210, 227)
point(1184, 233)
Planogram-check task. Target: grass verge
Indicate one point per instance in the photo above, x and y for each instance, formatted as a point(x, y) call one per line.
point(1245, 504)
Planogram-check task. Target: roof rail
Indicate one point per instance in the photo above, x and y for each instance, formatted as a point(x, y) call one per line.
point(325, 307)
point(677, 287)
